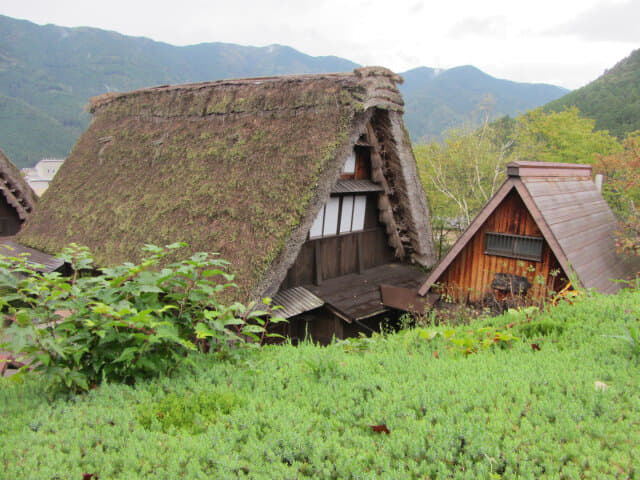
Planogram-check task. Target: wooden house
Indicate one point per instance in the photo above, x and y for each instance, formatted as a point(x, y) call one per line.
point(17, 200)
point(307, 184)
point(547, 223)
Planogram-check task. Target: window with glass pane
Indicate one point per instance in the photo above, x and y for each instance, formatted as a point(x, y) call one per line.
point(343, 214)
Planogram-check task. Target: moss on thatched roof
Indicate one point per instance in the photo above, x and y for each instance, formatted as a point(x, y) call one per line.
point(15, 188)
point(239, 167)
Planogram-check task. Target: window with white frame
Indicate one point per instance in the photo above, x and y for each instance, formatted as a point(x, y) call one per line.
point(342, 214)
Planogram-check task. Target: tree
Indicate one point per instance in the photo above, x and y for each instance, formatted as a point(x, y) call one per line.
point(621, 189)
point(560, 137)
point(461, 175)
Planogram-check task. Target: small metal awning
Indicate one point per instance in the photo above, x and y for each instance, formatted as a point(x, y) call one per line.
point(45, 262)
point(295, 301)
point(356, 186)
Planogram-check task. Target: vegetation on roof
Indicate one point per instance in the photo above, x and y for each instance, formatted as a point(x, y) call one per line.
point(230, 167)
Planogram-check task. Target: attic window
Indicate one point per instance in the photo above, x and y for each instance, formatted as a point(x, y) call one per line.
point(513, 246)
point(343, 214)
point(350, 164)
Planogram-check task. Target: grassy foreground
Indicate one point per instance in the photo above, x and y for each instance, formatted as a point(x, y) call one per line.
point(562, 401)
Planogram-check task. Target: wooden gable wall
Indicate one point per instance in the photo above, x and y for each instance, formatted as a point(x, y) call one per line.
point(469, 276)
point(330, 257)
point(10, 222)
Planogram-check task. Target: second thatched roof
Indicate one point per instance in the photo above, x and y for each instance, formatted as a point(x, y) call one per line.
point(15, 189)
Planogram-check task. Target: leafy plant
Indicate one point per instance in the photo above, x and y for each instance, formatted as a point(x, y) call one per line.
point(469, 340)
point(120, 324)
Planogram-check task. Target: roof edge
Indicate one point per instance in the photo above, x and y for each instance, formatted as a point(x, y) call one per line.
point(363, 73)
point(547, 169)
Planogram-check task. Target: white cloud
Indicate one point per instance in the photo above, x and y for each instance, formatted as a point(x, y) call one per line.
point(473, 26)
point(606, 21)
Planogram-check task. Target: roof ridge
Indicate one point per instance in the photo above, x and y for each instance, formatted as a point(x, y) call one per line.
point(364, 75)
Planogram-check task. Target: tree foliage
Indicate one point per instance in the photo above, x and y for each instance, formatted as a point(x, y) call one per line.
point(461, 174)
point(613, 100)
point(564, 136)
point(621, 189)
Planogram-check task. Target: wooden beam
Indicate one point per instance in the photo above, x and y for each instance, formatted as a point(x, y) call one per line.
point(378, 175)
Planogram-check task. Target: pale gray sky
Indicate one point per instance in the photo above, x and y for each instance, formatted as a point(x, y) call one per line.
point(563, 42)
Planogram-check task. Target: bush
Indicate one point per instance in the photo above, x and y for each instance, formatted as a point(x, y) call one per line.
point(121, 324)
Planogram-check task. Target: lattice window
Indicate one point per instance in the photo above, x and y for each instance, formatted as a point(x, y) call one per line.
point(513, 246)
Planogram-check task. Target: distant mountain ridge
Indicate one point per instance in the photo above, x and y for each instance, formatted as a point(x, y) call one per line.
point(48, 73)
point(612, 100)
point(440, 100)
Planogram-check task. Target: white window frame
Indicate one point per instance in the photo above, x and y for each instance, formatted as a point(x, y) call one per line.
point(340, 215)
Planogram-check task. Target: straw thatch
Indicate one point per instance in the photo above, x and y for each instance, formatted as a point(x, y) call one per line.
point(15, 190)
point(240, 167)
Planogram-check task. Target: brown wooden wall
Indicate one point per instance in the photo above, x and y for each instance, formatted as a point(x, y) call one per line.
point(470, 275)
point(10, 223)
point(340, 254)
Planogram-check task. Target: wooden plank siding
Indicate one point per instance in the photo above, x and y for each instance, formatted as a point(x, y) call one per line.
point(470, 275)
point(325, 258)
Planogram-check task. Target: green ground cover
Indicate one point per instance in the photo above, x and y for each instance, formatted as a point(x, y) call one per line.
point(562, 400)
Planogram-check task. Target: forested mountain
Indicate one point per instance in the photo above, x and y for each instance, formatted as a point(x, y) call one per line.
point(48, 73)
point(439, 100)
point(612, 100)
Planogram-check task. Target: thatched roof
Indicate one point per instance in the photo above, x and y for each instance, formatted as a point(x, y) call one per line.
point(573, 217)
point(240, 167)
point(15, 189)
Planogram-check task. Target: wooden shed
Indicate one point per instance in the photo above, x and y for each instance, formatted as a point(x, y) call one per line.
point(17, 200)
point(307, 184)
point(546, 223)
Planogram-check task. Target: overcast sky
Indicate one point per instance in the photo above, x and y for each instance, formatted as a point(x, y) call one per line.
point(562, 42)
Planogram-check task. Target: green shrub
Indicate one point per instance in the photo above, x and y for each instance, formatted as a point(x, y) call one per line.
point(121, 324)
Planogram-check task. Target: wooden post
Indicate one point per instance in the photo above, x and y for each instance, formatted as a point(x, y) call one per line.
point(360, 255)
point(317, 274)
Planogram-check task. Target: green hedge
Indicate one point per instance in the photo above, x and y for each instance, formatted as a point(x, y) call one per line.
point(526, 407)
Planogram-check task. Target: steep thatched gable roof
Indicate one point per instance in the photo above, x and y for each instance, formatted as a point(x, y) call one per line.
point(573, 217)
point(240, 167)
point(15, 189)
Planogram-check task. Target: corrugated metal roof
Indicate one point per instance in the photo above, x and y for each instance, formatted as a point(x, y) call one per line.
point(356, 186)
point(295, 301)
point(49, 263)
